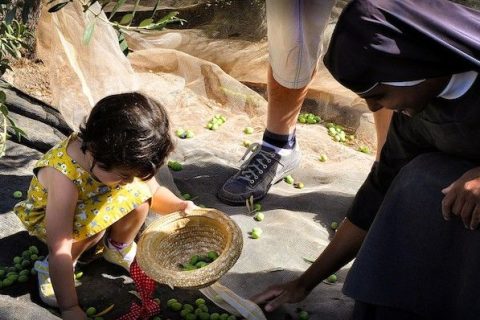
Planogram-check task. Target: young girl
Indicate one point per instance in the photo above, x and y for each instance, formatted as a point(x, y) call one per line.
point(98, 183)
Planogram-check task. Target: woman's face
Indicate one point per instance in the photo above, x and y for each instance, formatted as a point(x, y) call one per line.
point(408, 100)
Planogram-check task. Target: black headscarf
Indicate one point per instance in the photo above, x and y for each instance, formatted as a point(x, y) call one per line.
point(402, 40)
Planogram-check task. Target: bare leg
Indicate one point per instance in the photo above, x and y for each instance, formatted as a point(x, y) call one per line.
point(81, 246)
point(382, 119)
point(125, 229)
point(284, 105)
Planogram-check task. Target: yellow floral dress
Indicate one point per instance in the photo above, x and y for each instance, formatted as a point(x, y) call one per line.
point(98, 205)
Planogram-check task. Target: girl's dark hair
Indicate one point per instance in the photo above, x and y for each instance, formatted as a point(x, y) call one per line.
point(128, 131)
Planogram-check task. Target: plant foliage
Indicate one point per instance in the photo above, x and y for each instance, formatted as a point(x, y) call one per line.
point(124, 23)
point(13, 36)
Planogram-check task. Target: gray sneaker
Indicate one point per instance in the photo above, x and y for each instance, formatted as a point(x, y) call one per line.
point(264, 168)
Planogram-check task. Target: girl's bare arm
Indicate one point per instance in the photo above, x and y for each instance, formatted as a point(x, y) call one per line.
point(61, 205)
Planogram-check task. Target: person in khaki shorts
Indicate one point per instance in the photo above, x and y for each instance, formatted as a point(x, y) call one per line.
point(295, 31)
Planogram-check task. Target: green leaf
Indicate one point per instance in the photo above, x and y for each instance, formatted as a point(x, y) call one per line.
point(146, 22)
point(12, 50)
point(168, 17)
point(4, 110)
point(126, 19)
point(58, 6)
point(87, 34)
point(116, 7)
point(20, 133)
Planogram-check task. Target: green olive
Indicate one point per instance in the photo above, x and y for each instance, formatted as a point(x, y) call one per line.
point(203, 316)
point(289, 179)
point(186, 196)
point(78, 275)
point(199, 301)
point(224, 316)
point(332, 278)
point(184, 313)
point(248, 130)
point(188, 306)
point(334, 225)
point(259, 216)
point(170, 302)
point(257, 207)
point(189, 134)
point(215, 316)
point(191, 316)
point(364, 149)
point(24, 273)
point(7, 282)
point(17, 260)
point(194, 259)
point(303, 315)
point(175, 165)
point(17, 194)
point(180, 132)
point(91, 311)
point(231, 317)
point(176, 306)
point(212, 255)
point(23, 278)
point(257, 230)
point(299, 185)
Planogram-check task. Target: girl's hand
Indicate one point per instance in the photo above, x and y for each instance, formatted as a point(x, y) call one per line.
point(462, 198)
point(189, 206)
point(74, 313)
point(277, 295)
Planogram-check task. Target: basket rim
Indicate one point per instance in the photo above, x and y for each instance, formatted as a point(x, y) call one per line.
point(197, 278)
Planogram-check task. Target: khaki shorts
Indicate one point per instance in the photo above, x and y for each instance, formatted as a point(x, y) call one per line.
point(295, 30)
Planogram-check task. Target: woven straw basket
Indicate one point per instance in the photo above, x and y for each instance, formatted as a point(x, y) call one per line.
point(173, 239)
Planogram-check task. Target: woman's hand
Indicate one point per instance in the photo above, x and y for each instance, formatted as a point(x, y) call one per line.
point(277, 295)
point(462, 198)
point(74, 313)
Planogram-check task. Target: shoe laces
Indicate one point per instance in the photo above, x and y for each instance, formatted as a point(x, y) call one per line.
point(256, 164)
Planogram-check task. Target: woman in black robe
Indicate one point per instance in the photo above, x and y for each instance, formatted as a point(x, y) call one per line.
point(413, 225)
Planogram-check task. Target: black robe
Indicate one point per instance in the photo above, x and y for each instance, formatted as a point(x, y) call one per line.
point(412, 258)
